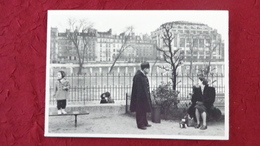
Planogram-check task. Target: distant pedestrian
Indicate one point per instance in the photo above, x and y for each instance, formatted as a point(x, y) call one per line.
point(106, 98)
point(103, 99)
point(61, 92)
point(109, 99)
point(140, 97)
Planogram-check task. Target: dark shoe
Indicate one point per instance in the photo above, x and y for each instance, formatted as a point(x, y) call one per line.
point(143, 128)
point(203, 127)
point(148, 125)
point(197, 126)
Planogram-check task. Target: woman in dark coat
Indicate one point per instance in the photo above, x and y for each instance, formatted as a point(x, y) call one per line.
point(140, 97)
point(202, 101)
point(191, 110)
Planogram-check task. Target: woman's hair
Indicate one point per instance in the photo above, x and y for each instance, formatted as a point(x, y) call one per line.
point(62, 74)
point(106, 94)
point(193, 90)
point(204, 81)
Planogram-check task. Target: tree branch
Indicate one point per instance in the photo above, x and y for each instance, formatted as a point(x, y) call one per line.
point(165, 59)
point(123, 47)
point(164, 52)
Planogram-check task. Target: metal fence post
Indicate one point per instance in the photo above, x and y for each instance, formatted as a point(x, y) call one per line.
point(126, 103)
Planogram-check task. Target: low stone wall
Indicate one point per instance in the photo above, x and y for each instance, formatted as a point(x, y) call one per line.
point(109, 108)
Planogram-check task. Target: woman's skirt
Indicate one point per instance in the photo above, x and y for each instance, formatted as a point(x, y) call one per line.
point(200, 106)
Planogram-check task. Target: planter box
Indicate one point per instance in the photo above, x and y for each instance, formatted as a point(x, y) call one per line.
point(156, 114)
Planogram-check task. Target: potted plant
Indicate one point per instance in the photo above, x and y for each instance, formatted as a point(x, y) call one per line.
point(156, 110)
point(164, 97)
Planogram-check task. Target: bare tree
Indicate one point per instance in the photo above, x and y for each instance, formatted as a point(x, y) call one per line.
point(193, 44)
point(211, 44)
point(172, 56)
point(80, 36)
point(125, 39)
point(191, 48)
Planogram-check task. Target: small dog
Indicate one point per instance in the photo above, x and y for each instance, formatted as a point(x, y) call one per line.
point(183, 123)
point(189, 121)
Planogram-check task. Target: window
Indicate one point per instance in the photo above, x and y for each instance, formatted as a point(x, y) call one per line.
point(188, 52)
point(195, 42)
point(175, 42)
point(201, 42)
point(182, 42)
point(205, 32)
point(187, 31)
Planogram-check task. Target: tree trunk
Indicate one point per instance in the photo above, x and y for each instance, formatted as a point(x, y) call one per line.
point(208, 69)
point(174, 79)
point(191, 61)
point(210, 61)
point(80, 68)
point(191, 67)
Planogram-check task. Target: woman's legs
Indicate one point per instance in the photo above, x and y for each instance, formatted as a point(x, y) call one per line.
point(198, 118)
point(197, 115)
point(204, 118)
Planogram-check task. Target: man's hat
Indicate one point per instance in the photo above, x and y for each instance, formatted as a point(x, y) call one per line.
point(145, 65)
point(204, 80)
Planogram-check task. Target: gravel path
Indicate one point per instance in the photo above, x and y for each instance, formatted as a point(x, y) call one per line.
point(122, 125)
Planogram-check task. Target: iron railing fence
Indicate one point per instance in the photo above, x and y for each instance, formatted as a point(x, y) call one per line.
point(88, 87)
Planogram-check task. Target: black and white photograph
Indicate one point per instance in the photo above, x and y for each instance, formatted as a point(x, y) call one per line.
point(160, 74)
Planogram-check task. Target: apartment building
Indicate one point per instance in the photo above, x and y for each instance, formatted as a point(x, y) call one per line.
point(200, 44)
point(103, 47)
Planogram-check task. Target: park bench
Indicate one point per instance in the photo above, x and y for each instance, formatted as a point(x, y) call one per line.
point(75, 113)
point(220, 102)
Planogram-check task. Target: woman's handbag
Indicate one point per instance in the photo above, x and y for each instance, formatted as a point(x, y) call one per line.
point(190, 122)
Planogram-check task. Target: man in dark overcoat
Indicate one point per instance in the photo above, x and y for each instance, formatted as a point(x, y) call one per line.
point(140, 97)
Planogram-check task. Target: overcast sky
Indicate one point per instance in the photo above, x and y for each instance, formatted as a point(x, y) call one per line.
point(142, 21)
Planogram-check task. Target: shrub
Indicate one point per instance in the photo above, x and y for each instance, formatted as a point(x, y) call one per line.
point(165, 97)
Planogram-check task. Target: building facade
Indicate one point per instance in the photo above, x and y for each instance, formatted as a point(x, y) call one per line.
point(54, 45)
point(73, 46)
point(101, 47)
point(200, 44)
